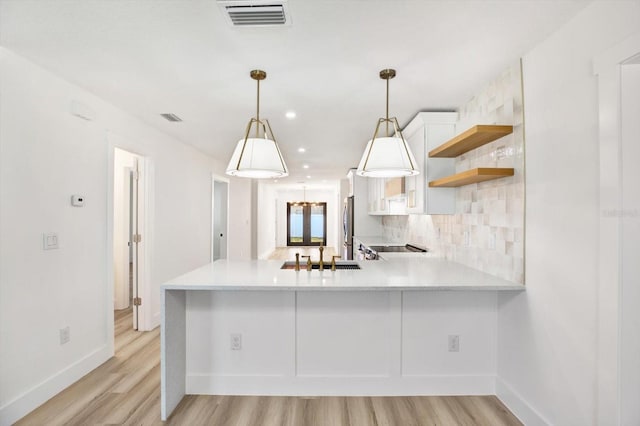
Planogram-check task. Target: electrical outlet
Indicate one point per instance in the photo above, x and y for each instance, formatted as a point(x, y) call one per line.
point(492, 241)
point(465, 238)
point(437, 233)
point(454, 343)
point(65, 335)
point(236, 341)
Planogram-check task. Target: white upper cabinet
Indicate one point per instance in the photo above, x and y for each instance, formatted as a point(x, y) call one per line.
point(387, 196)
point(377, 200)
point(427, 131)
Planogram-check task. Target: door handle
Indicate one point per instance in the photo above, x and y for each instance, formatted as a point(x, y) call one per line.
point(221, 235)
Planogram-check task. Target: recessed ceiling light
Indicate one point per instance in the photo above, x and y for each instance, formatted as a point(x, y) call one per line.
point(305, 166)
point(308, 177)
point(290, 115)
point(301, 150)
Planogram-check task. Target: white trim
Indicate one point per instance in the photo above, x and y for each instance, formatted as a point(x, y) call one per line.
point(109, 238)
point(607, 67)
point(33, 398)
point(339, 385)
point(617, 54)
point(147, 320)
point(518, 405)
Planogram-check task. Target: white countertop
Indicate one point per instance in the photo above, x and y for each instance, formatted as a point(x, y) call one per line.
point(399, 273)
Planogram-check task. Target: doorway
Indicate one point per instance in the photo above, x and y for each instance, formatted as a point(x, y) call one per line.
point(219, 216)
point(129, 193)
point(306, 224)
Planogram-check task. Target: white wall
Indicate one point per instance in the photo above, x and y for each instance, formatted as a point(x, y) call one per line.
point(547, 336)
point(47, 154)
point(267, 201)
point(240, 219)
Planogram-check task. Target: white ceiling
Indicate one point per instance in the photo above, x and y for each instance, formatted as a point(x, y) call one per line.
point(155, 56)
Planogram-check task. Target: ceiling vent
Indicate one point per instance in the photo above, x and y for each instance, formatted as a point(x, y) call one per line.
point(256, 13)
point(171, 117)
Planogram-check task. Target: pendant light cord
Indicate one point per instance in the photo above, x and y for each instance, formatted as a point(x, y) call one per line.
point(258, 111)
point(387, 106)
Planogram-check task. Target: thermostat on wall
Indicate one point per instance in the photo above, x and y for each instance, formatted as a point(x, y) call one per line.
point(77, 200)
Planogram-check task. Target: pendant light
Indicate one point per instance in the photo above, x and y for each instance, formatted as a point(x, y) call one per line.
point(390, 155)
point(258, 156)
point(304, 199)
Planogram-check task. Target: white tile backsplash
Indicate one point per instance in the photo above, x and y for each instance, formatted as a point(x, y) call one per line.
point(492, 213)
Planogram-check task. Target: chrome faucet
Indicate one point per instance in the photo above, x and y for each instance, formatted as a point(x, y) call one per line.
point(321, 263)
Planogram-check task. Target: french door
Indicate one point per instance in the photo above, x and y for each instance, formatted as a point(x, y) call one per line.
point(306, 224)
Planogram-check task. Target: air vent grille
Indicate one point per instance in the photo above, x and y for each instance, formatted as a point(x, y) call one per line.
point(255, 13)
point(171, 117)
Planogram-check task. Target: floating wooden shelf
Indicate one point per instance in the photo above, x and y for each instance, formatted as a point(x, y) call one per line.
point(471, 176)
point(471, 139)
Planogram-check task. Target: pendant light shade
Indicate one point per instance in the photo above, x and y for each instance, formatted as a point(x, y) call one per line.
point(261, 159)
point(259, 156)
point(390, 155)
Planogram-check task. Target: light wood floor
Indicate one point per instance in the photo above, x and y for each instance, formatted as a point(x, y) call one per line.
point(289, 253)
point(126, 391)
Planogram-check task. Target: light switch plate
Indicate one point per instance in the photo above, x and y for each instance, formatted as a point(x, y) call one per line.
point(49, 241)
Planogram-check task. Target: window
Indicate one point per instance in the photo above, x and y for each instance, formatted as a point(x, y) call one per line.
point(306, 224)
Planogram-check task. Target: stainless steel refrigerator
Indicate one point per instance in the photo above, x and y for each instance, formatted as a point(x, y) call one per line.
point(347, 227)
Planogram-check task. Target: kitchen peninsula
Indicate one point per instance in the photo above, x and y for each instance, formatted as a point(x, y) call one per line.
point(380, 330)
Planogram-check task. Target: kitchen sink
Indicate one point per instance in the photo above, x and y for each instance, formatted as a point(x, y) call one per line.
point(290, 264)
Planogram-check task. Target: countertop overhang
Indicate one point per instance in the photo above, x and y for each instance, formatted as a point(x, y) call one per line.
point(399, 273)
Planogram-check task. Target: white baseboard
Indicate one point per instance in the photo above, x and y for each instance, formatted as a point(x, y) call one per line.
point(22, 405)
point(339, 385)
point(518, 406)
point(155, 321)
